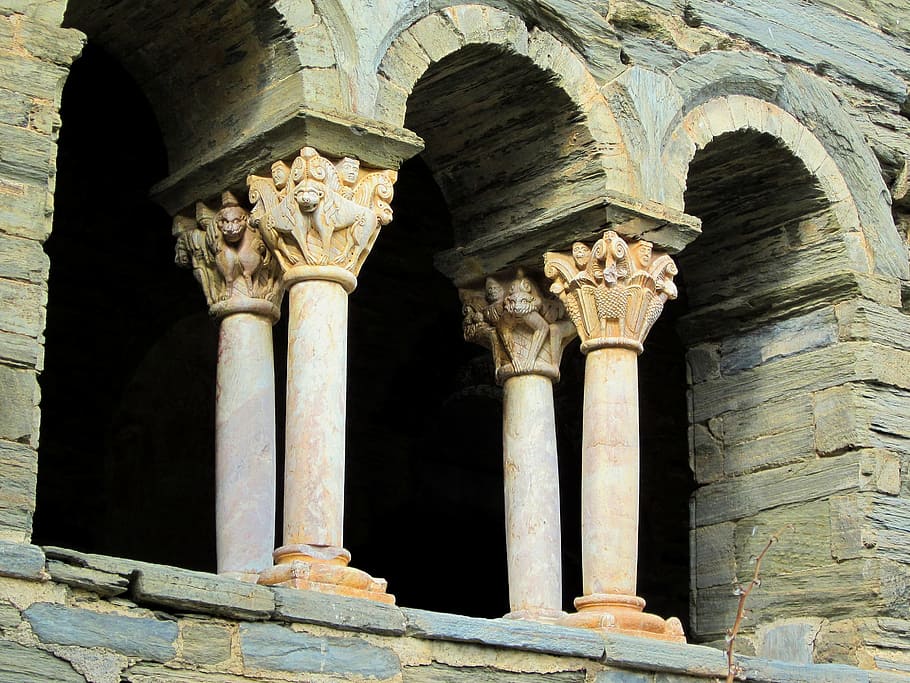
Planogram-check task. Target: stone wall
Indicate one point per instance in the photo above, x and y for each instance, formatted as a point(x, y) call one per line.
point(77, 618)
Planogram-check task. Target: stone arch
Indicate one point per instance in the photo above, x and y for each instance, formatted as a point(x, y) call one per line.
point(809, 102)
point(441, 34)
point(734, 113)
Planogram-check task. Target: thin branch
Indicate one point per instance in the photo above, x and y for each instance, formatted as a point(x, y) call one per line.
point(743, 594)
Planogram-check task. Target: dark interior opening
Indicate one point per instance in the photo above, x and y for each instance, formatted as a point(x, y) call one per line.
point(128, 385)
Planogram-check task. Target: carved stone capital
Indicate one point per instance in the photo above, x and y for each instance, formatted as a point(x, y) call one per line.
point(526, 330)
point(229, 259)
point(613, 291)
point(319, 212)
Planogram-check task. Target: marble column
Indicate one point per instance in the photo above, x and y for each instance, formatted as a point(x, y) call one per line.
point(613, 292)
point(319, 219)
point(527, 333)
point(243, 291)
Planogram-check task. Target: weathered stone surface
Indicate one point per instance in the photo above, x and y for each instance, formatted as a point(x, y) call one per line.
point(22, 259)
point(157, 673)
point(790, 642)
point(503, 633)
point(22, 211)
point(189, 591)
point(868, 320)
point(22, 307)
point(655, 655)
point(276, 648)
point(133, 636)
point(779, 672)
point(20, 350)
point(205, 642)
point(444, 673)
point(714, 558)
point(890, 520)
point(21, 664)
point(18, 420)
point(849, 48)
point(50, 43)
point(9, 616)
point(19, 464)
point(102, 583)
point(860, 415)
point(744, 496)
point(778, 340)
point(26, 154)
point(338, 611)
point(811, 371)
point(22, 561)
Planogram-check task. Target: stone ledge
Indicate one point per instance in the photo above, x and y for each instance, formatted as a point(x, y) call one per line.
point(195, 591)
point(506, 633)
point(338, 611)
point(22, 561)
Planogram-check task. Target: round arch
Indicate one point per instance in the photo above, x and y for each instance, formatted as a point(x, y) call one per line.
point(440, 34)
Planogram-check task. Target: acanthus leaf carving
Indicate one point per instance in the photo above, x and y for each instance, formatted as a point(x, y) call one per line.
point(227, 254)
point(316, 212)
point(526, 330)
point(614, 291)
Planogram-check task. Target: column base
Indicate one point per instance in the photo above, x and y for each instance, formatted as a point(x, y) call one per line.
point(541, 615)
point(323, 569)
point(622, 614)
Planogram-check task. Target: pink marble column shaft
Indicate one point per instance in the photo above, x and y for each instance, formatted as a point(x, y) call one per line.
point(610, 472)
point(315, 423)
point(245, 445)
point(531, 475)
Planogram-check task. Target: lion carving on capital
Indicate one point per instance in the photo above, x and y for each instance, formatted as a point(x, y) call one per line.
point(317, 212)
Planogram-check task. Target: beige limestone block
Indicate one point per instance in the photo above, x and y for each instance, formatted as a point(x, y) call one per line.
point(317, 372)
point(531, 476)
point(609, 487)
point(245, 445)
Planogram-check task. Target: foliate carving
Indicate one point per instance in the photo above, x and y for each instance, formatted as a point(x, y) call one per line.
point(227, 254)
point(316, 212)
point(526, 330)
point(613, 291)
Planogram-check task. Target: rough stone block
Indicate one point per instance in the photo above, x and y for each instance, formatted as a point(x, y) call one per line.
point(22, 307)
point(132, 636)
point(645, 654)
point(25, 154)
point(9, 616)
point(102, 583)
point(779, 672)
point(22, 561)
point(276, 648)
point(18, 418)
point(31, 77)
point(190, 591)
point(19, 464)
point(18, 349)
point(868, 320)
point(204, 642)
point(444, 673)
point(156, 673)
point(21, 664)
point(437, 36)
point(22, 259)
point(14, 108)
point(789, 642)
point(50, 43)
point(337, 611)
point(505, 633)
point(22, 208)
point(714, 560)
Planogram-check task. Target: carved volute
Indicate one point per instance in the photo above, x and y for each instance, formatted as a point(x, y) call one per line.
point(317, 212)
point(227, 256)
point(526, 330)
point(613, 291)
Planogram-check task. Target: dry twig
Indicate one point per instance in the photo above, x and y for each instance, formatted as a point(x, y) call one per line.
point(743, 592)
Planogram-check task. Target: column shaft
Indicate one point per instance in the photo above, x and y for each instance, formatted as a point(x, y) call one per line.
point(531, 474)
point(315, 423)
point(610, 472)
point(245, 445)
